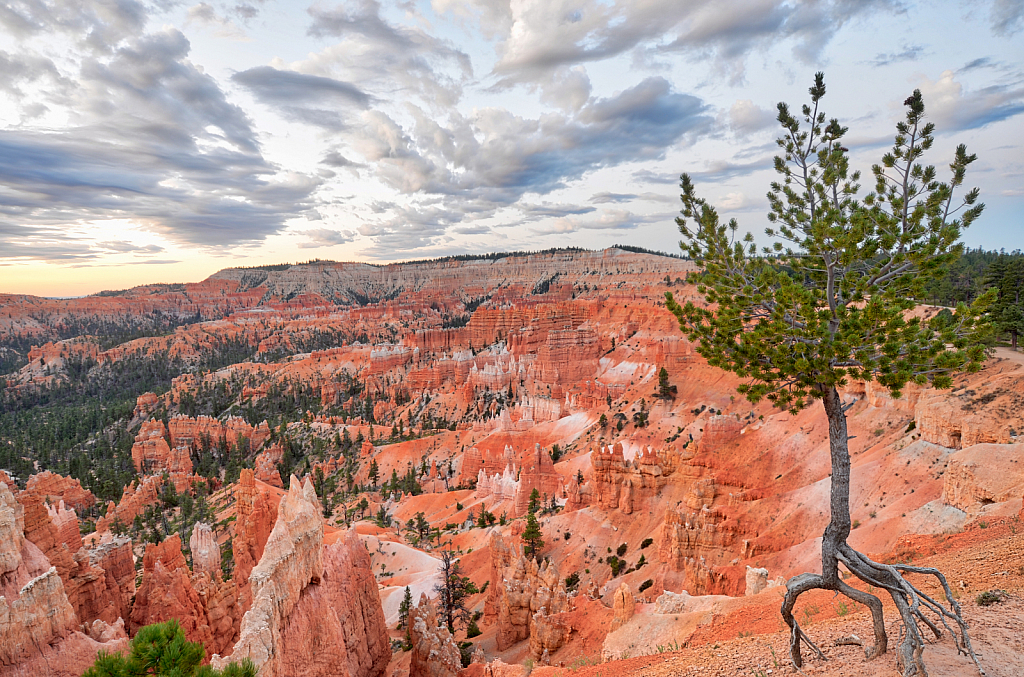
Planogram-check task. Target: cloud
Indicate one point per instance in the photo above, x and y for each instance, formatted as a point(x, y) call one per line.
point(908, 53)
point(325, 237)
point(610, 219)
point(380, 57)
point(746, 117)
point(953, 108)
point(538, 37)
point(206, 16)
point(608, 198)
point(154, 140)
point(490, 159)
point(1007, 17)
point(312, 99)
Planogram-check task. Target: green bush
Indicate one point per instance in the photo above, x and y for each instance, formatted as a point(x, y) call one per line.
point(646, 542)
point(621, 550)
point(161, 650)
point(646, 584)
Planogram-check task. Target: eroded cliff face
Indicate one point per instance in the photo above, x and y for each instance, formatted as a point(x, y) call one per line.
point(526, 599)
point(38, 623)
point(292, 560)
point(337, 628)
point(434, 651)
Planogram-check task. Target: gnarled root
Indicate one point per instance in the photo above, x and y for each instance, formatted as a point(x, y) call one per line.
point(911, 602)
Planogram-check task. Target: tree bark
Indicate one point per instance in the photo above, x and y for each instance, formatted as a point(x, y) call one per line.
point(838, 529)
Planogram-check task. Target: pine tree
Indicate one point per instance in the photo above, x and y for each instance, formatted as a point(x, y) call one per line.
point(664, 389)
point(1006, 275)
point(374, 473)
point(403, 617)
point(534, 504)
point(533, 539)
point(830, 302)
point(453, 590)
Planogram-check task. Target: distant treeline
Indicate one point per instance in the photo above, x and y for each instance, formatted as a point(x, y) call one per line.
point(967, 278)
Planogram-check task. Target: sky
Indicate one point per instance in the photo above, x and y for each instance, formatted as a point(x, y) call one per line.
point(161, 141)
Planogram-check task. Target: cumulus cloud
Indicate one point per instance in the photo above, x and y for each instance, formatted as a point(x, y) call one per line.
point(953, 108)
point(609, 219)
point(206, 16)
point(746, 117)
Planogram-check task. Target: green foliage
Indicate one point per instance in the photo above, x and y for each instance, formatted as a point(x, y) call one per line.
point(473, 630)
point(1006, 276)
point(533, 539)
point(556, 453)
point(664, 389)
point(621, 550)
point(572, 581)
point(161, 650)
point(646, 542)
point(645, 585)
point(829, 300)
point(534, 504)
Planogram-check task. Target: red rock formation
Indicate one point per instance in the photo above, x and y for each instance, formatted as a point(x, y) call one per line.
point(523, 596)
point(624, 606)
point(338, 628)
point(718, 432)
point(538, 472)
point(266, 465)
point(39, 616)
point(255, 518)
point(114, 556)
point(54, 488)
point(205, 551)
point(152, 455)
point(134, 499)
point(983, 474)
point(684, 543)
point(624, 485)
point(292, 560)
point(434, 652)
point(145, 404)
point(166, 592)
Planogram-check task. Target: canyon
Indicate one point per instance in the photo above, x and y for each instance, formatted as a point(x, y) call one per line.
point(329, 430)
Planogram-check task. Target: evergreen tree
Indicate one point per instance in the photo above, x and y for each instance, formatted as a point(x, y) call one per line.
point(534, 504)
point(533, 539)
point(403, 617)
point(161, 650)
point(453, 590)
point(1006, 276)
point(829, 302)
point(664, 389)
point(374, 473)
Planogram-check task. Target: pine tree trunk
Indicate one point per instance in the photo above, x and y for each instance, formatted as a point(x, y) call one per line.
point(838, 529)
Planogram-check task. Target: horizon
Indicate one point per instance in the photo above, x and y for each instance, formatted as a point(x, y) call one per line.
point(191, 138)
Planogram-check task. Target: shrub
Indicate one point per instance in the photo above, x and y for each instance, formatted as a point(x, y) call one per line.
point(646, 542)
point(161, 650)
point(990, 597)
point(646, 584)
point(621, 550)
point(472, 630)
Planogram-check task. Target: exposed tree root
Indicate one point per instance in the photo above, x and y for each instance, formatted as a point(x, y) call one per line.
point(911, 602)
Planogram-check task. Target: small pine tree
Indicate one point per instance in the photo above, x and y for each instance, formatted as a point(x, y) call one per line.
point(664, 389)
point(374, 473)
point(533, 539)
point(534, 505)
